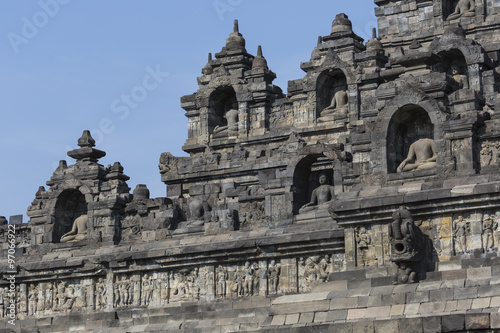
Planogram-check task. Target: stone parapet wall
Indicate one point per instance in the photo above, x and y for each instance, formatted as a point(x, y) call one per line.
point(171, 272)
point(465, 299)
point(367, 198)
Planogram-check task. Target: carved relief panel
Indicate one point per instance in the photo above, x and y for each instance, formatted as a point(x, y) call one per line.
point(184, 285)
point(463, 233)
point(243, 280)
point(288, 273)
point(274, 276)
point(313, 270)
point(364, 247)
point(124, 291)
point(57, 296)
point(490, 154)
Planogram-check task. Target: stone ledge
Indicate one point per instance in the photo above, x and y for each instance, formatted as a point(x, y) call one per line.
point(301, 298)
point(421, 299)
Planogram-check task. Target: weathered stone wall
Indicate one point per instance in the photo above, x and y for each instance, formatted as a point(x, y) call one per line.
point(365, 199)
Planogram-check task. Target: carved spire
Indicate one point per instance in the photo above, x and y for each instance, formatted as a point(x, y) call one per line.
point(39, 193)
point(62, 165)
point(86, 152)
point(259, 61)
point(374, 44)
point(116, 172)
point(341, 24)
point(236, 28)
point(235, 39)
point(208, 69)
point(86, 140)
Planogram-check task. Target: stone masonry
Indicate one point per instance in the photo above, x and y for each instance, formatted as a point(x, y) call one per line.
point(366, 199)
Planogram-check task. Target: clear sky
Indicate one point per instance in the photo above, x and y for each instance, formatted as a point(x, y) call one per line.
point(66, 65)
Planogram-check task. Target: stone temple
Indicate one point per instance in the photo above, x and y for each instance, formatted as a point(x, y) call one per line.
point(366, 199)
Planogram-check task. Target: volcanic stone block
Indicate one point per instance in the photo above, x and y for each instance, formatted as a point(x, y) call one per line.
point(453, 323)
point(432, 325)
point(411, 325)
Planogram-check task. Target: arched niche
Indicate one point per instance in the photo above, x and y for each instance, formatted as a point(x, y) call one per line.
point(408, 124)
point(70, 205)
point(306, 178)
point(448, 8)
point(221, 101)
point(328, 84)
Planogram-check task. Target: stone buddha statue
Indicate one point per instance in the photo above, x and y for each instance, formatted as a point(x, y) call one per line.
point(463, 8)
point(320, 195)
point(232, 122)
point(197, 212)
point(422, 155)
point(338, 105)
point(459, 76)
point(78, 231)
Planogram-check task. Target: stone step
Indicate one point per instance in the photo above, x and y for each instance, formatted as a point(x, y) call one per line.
point(463, 267)
point(189, 317)
point(478, 290)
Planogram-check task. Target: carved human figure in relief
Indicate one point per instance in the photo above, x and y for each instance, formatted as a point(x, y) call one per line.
point(311, 271)
point(78, 231)
point(232, 122)
point(461, 228)
point(124, 290)
point(40, 305)
point(221, 281)
point(463, 8)
point(273, 272)
point(338, 105)
point(101, 295)
point(147, 291)
point(487, 236)
point(248, 280)
point(32, 299)
point(61, 289)
point(69, 298)
point(116, 295)
point(181, 285)
point(363, 238)
point(323, 269)
point(421, 156)
point(49, 296)
point(320, 195)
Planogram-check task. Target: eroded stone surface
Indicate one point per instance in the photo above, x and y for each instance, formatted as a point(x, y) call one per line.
point(380, 165)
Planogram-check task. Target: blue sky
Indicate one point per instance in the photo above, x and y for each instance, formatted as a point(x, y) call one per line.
point(65, 66)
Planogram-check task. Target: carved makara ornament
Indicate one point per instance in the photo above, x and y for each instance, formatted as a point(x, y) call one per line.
point(405, 237)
